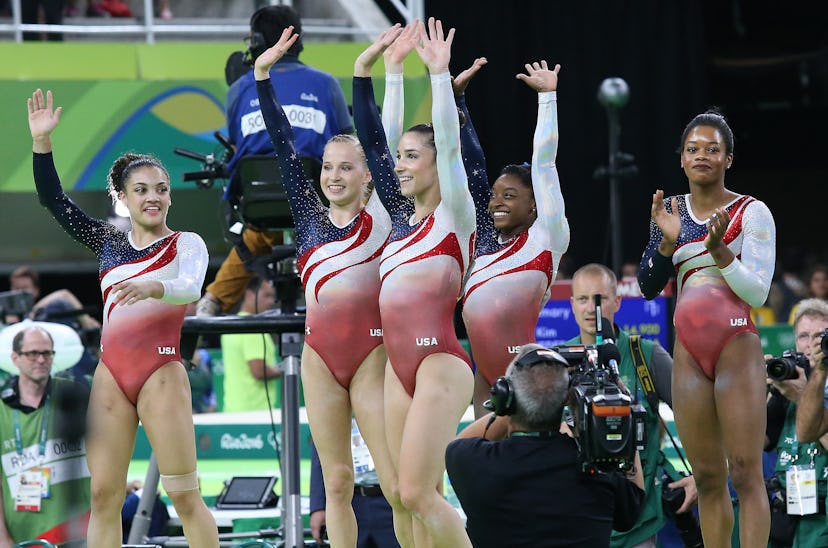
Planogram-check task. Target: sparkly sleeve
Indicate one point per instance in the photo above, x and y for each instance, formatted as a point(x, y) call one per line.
point(750, 276)
point(546, 185)
point(655, 269)
point(454, 192)
point(393, 109)
point(303, 199)
point(192, 267)
point(372, 137)
point(80, 226)
point(474, 162)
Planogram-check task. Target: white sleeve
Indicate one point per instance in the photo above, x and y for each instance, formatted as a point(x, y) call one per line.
point(393, 109)
point(545, 182)
point(454, 188)
point(192, 268)
point(750, 277)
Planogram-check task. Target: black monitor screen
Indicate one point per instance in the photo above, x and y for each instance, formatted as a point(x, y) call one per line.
point(247, 490)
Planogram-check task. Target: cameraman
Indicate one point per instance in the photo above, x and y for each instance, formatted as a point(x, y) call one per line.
point(517, 477)
point(596, 279)
point(810, 320)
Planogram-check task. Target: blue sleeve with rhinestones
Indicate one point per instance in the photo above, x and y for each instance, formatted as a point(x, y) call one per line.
point(655, 269)
point(80, 226)
point(302, 197)
point(372, 137)
point(474, 161)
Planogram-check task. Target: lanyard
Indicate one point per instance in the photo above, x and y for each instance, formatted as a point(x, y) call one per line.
point(44, 426)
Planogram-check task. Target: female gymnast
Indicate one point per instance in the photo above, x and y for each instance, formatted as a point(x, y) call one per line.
point(721, 246)
point(343, 360)
point(522, 232)
point(147, 276)
point(428, 381)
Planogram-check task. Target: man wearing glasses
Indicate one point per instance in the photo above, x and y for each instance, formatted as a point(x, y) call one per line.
point(45, 480)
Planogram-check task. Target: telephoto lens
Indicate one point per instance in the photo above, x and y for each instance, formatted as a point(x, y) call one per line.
point(823, 345)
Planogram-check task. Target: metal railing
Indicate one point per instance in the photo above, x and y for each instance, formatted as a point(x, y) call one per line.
point(149, 29)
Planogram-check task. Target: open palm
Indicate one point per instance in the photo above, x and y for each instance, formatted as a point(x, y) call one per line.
point(435, 46)
point(43, 119)
point(539, 77)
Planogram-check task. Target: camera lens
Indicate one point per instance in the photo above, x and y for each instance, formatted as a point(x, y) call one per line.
point(782, 369)
point(823, 343)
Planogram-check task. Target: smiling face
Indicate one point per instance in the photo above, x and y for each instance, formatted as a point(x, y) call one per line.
point(704, 157)
point(512, 205)
point(416, 164)
point(146, 195)
point(345, 175)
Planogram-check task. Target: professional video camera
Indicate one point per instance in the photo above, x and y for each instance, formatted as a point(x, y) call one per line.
point(782, 368)
point(610, 423)
point(214, 165)
point(15, 303)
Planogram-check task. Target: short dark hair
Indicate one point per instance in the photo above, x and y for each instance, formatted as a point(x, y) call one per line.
point(712, 118)
point(26, 272)
point(270, 21)
point(17, 341)
point(540, 392)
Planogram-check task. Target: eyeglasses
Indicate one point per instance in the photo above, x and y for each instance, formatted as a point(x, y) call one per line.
point(35, 354)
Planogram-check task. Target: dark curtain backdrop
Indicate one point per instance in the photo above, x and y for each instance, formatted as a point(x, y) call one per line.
point(654, 45)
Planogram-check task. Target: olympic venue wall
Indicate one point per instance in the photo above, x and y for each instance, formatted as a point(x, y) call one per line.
point(119, 97)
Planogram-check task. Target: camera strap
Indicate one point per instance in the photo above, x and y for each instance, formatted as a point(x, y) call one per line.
point(643, 372)
point(647, 384)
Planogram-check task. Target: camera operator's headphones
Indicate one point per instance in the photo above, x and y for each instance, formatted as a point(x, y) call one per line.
point(262, 22)
point(502, 396)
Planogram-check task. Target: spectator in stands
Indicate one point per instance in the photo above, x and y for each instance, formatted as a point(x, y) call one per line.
point(250, 358)
point(316, 108)
point(160, 515)
point(52, 12)
point(817, 286)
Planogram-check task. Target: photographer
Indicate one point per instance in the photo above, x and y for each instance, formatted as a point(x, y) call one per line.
point(596, 279)
point(788, 376)
point(517, 477)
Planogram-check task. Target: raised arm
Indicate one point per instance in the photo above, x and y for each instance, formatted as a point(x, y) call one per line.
point(434, 49)
point(302, 198)
point(43, 119)
point(393, 104)
point(474, 162)
point(545, 181)
point(370, 131)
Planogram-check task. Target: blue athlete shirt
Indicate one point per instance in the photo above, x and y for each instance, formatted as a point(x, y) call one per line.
point(312, 99)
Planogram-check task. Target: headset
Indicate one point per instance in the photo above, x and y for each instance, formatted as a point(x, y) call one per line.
point(502, 395)
point(277, 17)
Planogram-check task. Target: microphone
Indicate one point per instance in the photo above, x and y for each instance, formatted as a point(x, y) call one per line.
point(607, 333)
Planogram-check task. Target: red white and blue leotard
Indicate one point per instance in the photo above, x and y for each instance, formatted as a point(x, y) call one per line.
point(509, 281)
point(139, 338)
point(424, 263)
point(714, 304)
point(338, 265)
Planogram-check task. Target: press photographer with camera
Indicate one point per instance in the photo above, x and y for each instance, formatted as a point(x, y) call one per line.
point(659, 475)
point(800, 461)
point(520, 480)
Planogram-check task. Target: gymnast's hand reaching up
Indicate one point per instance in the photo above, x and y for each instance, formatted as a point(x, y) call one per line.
point(395, 54)
point(460, 82)
point(539, 77)
point(269, 57)
point(43, 119)
point(434, 47)
point(366, 60)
